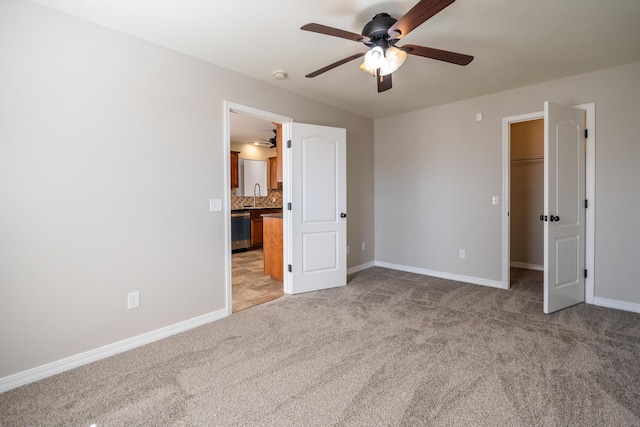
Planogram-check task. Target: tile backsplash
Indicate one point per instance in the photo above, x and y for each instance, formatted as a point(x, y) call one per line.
point(272, 200)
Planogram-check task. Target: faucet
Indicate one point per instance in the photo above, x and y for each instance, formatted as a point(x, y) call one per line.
point(254, 193)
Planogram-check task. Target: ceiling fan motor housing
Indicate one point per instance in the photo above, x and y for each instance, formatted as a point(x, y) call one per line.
point(378, 26)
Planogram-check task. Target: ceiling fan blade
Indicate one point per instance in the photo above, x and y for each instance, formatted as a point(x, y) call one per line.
point(384, 82)
point(440, 55)
point(419, 13)
point(330, 31)
point(334, 65)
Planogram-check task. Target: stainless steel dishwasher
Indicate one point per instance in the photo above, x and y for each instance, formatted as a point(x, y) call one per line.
point(240, 230)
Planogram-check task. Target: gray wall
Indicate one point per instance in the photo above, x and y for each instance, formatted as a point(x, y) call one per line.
point(110, 149)
point(436, 170)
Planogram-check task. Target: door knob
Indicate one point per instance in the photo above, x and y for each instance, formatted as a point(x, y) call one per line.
point(543, 217)
point(554, 218)
point(343, 215)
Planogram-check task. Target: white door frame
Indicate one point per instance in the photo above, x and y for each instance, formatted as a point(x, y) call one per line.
point(590, 194)
point(231, 107)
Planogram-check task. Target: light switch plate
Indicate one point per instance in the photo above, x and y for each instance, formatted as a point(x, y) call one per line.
point(495, 200)
point(478, 117)
point(215, 205)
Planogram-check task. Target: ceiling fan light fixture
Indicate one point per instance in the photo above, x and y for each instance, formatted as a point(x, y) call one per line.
point(392, 60)
point(395, 58)
point(374, 58)
point(366, 69)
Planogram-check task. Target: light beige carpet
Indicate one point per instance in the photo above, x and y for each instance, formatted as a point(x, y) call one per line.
point(390, 348)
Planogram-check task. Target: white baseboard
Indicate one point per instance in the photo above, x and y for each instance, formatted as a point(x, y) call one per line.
point(617, 304)
point(527, 266)
point(360, 267)
point(53, 368)
point(442, 275)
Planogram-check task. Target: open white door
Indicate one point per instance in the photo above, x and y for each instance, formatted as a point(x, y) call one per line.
point(319, 202)
point(564, 207)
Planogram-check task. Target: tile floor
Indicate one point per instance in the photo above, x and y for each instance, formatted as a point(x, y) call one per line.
point(251, 286)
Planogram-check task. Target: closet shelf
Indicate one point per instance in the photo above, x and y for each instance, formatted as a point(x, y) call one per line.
point(527, 159)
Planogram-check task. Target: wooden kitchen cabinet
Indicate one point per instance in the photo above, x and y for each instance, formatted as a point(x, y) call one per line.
point(273, 173)
point(279, 158)
point(235, 181)
point(273, 257)
point(257, 225)
point(256, 231)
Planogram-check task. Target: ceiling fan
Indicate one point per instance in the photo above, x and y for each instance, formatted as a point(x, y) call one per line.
point(381, 34)
point(273, 141)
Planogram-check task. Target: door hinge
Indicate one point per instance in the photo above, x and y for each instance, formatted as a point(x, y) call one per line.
point(290, 268)
point(289, 206)
point(586, 203)
point(586, 133)
point(289, 144)
point(585, 273)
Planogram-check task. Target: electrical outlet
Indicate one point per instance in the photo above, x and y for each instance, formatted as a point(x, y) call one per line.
point(462, 253)
point(215, 205)
point(133, 300)
point(363, 246)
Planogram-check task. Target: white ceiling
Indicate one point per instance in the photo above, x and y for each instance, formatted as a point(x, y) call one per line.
point(249, 129)
point(515, 43)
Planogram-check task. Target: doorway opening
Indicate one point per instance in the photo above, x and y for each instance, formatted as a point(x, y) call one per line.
point(526, 257)
point(526, 194)
point(525, 167)
point(251, 155)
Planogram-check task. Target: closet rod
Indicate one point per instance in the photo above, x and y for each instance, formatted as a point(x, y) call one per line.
point(527, 159)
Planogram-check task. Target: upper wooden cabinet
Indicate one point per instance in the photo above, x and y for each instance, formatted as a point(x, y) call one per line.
point(235, 182)
point(273, 173)
point(279, 158)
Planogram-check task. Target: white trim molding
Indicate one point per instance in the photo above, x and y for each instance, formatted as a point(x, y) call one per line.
point(286, 122)
point(442, 275)
point(360, 267)
point(527, 266)
point(506, 194)
point(619, 305)
point(590, 236)
point(68, 363)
